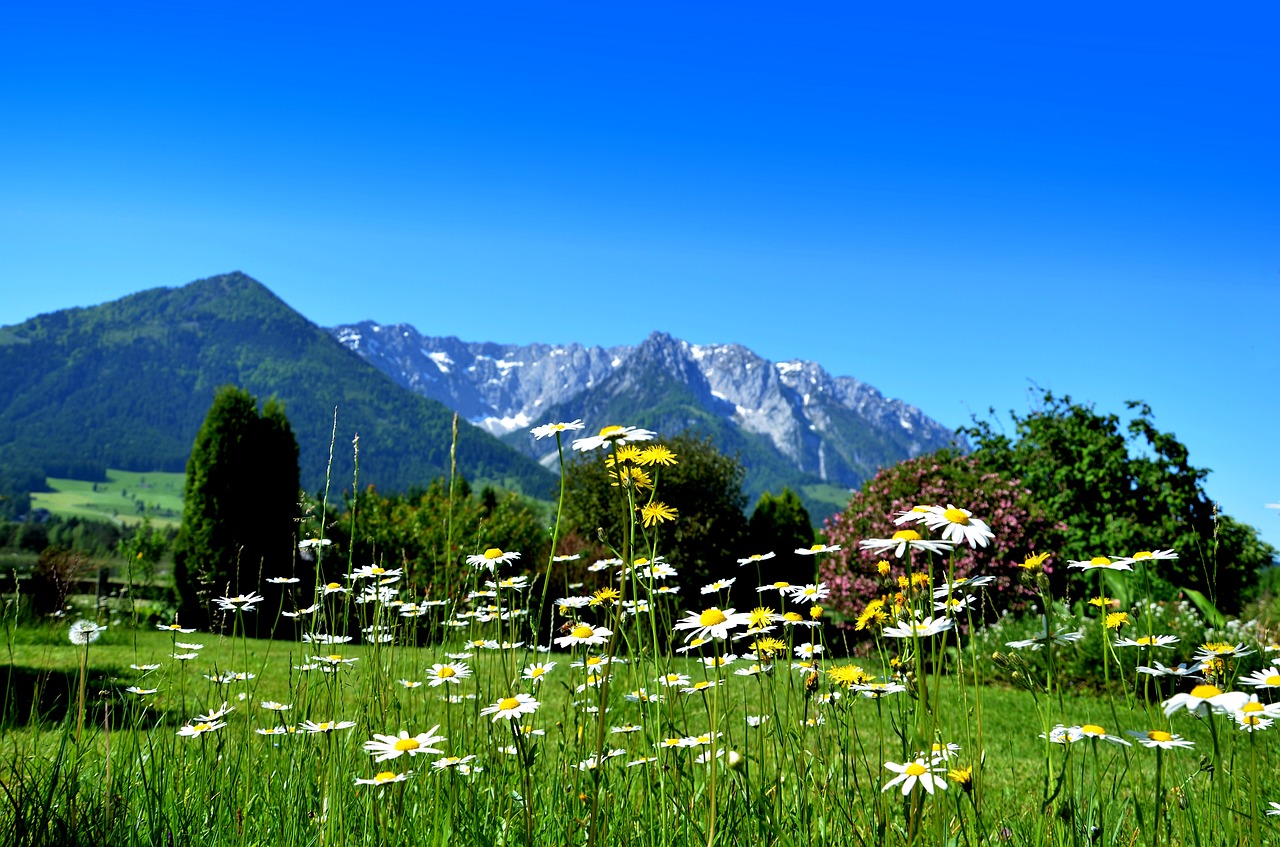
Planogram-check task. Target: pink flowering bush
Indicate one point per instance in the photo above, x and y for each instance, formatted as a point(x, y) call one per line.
point(938, 479)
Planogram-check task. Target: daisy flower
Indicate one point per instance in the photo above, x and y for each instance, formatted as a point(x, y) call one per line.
point(384, 778)
point(959, 525)
point(1266, 678)
point(1221, 650)
point(451, 672)
point(452, 762)
point(583, 633)
point(326, 726)
point(536, 671)
point(491, 558)
point(217, 713)
point(613, 435)
point(962, 583)
point(1151, 555)
point(1160, 738)
point(197, 729)
point(921, 628)
point(393, 747)
point(332, 588)
point(909, 773)
point(1049, 636)
point(700, 687)
point(916, 514)
point(185, 657)
point(307, 611)
point(173, 627)
point(756, 557)
point(876, 690)
point(1148, 641)
point(549, 429)
point(409, 683)
point(1110, 563)
point(674, 679)
point(375, 571)
point(1096, 732)
point(239, 603)
point(711, 623)
point(284, 580)
point(273, 706)
point(145, 668)
point(808, 593)
point(1200, 699)
point(815, 549)
point(511, 707)
point(141, 692)
point(901, 540)
point(718, 585)
point(85, 632)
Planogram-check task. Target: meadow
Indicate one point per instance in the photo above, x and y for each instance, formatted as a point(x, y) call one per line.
point(516, 708)
point(124, 498)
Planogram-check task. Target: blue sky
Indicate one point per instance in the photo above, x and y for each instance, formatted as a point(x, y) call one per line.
point(949, 202)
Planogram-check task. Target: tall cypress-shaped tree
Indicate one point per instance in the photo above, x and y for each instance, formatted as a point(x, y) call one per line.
point(240, 505)
point(780, 524)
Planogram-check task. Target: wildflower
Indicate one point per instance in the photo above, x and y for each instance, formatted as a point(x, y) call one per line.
point(1034, 562)
point(375, 571)
point(673, 679)
point(1062, 734)
point(384, 777)
point(874, 613)
point(952, 605)
point(1115, 620)
point(307, 611)
point(185, 657)
point(1151, 555)
point(876, 690)
point(780, 587)
point(1200, 699)
point(1160, 738)
point(958, 525)
point(173, 627)
point(656, 512)
point(656, 454)
point(85, 632)
point(273, 706)
point(321, 638)
point(1096, 732)
point(511, 707)
point(491, 558)
point(450, 672)
point(616, 435)
point(332, 588)
point(1266, 678)
point(326, 726)
point(274, 730)
point(141, 692)
point(848, 675)
point(536, 671)
point(1252, 722)
point(916, 514)
point(919, 628)
point(284, 580)
point(1275, 808)
point(700, 687)
point(756, 557)
point(239, 603)
point(939, 753)
point(962, 583)
point(1110, 563)
point(816, 549)
point(769, 646)
point(712, 623)
point(962, 777)
point(1221, 650)
point(145, 668)
point(1048, 636)
point(756, 720)
point(584, 634)
point(883, 567)
point(901, 540)
point(909, 773)
point(718, 585)
point(447, 762)
point(809, 593)
point(198, 729)
point(1148, 641)
point(604, 597)
point(393, 747)
point(625, 728)
point(545, 430)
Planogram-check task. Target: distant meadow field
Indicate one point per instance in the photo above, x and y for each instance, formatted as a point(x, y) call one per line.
point(919, 686)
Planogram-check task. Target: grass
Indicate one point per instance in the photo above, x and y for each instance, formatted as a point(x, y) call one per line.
point(123, 499)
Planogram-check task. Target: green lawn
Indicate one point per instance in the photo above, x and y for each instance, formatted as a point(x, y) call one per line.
point(123, 499)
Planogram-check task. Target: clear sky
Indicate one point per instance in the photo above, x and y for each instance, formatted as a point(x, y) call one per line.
point(950, 201)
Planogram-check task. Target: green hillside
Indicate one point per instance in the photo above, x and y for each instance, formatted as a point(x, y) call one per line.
point(123, 498)
point(126, 385)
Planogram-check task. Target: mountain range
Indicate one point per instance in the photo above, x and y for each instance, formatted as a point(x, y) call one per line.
point(126, 384)
point(791, 422)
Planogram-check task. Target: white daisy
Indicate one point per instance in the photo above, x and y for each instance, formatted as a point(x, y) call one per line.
point(903, 539)
point(491, 558)
point(712, 623)
point(450, 672)
point(815, 549)
point(549, 429)
point(1110, 563)
point(959, 525)
point(239, 603)
point(326, 726)
point(583, 633)
point(909, 773)
point(613, 435)
point(393, 747)
point(384, 778)
point(756, 557)
point(511, 707)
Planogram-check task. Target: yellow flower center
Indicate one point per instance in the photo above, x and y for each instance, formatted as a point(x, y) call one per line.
point(377, 570)
point(1146, 641)
point(921, 510)
point(385, 776)
point(537, 671)
point(407, 744)
point(711, 617)
point(782, 585)
point(1099, 561)
point(906, 535)
point(506, 704)
point(1252, 707)
point(1092, 729)
point(202, 727)
point(1157, 735)
point(446, 672)
point(915, 769)
point(641, 562)
point(1251, 720)
point(611, 431)
point(815, 548)
point(333, 586)
point(493, 553)
point(1204, 692)
point(1274, 679)
point(792, 616)
point(582, 631)
point(335, 657)
point(593, 660)
point(956, 516)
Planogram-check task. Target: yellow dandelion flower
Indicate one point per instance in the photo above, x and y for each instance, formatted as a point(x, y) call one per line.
point(815, 612)
point(1034, 563)
point(631, 477)
point(769, 645)
point(919, 580)
point(656, 455)
point(1115, 620)
point(1103, 602)
point(882, 567)
point(605, 597)
point(761, 617)
point(656, 512)
point(847, 675)
point(962, 777)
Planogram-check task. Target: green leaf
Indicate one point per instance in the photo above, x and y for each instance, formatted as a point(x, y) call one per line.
point(1210, 612)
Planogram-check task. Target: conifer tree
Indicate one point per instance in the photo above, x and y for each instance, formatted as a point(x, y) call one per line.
point(780, 524)
point(240, 504)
